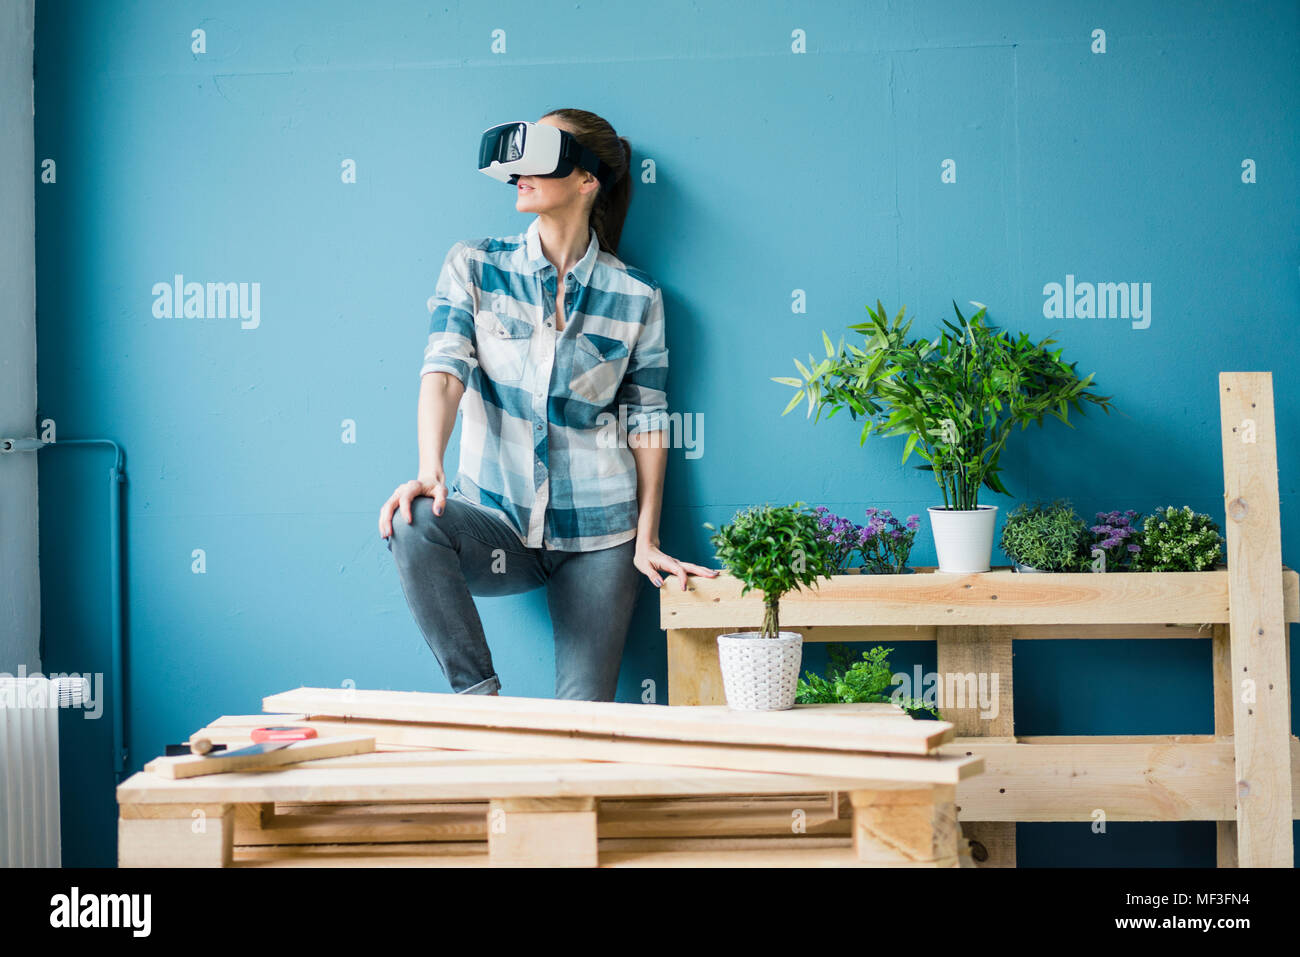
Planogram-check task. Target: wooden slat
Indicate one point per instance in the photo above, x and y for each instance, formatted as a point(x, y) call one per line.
point(760, 852)
point(543, 745)
point(1261, 718)
point(556, 779)
point(189, 766)
point(1130, 778)
point(864, 728)
point(995, 597)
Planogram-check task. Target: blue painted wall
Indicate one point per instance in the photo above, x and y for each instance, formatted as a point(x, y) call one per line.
point(774, 171)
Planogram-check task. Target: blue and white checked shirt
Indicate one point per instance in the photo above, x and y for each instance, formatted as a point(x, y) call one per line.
point(545, 413)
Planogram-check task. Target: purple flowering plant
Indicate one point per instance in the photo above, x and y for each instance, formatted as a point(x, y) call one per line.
point(885, 542)
point(839, 536)
point(1117, 535)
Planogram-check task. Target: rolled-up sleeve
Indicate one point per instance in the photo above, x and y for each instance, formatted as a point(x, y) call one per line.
point(451, 320)
point(643, 392)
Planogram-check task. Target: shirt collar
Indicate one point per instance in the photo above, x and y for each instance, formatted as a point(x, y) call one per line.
point(537, 260)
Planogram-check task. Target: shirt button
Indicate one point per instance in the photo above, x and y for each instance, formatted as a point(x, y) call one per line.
point(539, 426)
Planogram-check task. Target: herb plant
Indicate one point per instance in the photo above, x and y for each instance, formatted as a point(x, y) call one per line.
point(956, 397)
point(773, 549)
point(849, 681)
point(1050, 538)
point(1178, 540)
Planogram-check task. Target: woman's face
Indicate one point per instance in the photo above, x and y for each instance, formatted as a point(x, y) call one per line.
point(549, 194)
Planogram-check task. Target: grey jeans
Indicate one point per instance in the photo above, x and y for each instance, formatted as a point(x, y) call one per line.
point(444, 560)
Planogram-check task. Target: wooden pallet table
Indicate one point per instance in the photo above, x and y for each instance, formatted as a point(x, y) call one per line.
point(1243, 776)
point(671, 787)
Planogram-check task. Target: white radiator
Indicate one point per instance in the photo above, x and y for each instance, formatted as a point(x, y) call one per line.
point(29, 767)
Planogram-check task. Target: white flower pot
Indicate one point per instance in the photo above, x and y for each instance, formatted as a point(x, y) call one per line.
point(963, 538)
point(760, 674)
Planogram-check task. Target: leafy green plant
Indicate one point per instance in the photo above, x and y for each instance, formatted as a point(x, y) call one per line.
point(956, 397)
point(849, 681)
point(1178, 540)
point(773, 549)
point(1051, 538)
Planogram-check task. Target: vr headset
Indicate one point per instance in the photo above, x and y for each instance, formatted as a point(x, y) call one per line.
point(511, 150)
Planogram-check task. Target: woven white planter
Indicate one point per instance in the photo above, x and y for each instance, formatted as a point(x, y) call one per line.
point(760, 674)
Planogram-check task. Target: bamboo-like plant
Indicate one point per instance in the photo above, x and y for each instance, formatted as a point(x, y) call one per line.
point(955, 397)
point(774, 549)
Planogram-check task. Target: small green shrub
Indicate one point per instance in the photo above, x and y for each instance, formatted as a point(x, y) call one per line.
point(1178, 540)
point(773, 549)
point(1051, 538)
point(848, 681)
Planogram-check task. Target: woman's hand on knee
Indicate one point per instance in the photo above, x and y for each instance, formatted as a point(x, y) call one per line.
point(432, 486)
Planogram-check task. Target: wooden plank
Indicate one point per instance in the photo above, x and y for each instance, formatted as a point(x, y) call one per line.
point(555, 779)
point(542, 745)
point(189, 766)
point(1129, 778)
point(808, 853)
point(995, 597)
point(156, 837)
point(1259, 635)
point(908, 827)
point(694, 672)
point(542, 832)
point(816, 726)
point(888, 634)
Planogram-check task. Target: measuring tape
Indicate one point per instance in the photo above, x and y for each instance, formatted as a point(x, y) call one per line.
point(282, 733)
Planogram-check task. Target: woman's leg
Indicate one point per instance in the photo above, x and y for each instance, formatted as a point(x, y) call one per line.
point(442, 561)
point(591, 596)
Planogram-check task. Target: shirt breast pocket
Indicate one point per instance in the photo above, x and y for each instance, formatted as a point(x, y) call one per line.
point(598, 366)
point(502, 342)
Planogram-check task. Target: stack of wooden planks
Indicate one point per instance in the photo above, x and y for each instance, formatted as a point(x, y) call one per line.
point(461, 780)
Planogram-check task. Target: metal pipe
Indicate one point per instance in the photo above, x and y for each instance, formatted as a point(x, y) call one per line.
point(116, 479)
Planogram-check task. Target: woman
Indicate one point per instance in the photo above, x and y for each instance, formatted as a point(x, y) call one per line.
point(553, 350)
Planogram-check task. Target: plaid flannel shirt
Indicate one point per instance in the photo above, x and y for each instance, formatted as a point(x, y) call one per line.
point(545, 414)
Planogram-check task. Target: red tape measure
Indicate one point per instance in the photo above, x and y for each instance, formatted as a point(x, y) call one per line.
point(282, 733)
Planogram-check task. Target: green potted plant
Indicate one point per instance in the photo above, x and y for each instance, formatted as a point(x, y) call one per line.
point(772, 549)
point(956, 398)
point(1046, 538)
point(1178, 540)
point(847, 681)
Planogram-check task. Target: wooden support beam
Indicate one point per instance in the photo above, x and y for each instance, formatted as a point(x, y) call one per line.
point(1258, 637)
point(694, 672)
point(1221, 669)
point(175, 835)
point(906, 827)
point(542, 832)
point(971, 659)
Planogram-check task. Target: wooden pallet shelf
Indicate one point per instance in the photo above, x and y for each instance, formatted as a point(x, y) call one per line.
point(1242, 776)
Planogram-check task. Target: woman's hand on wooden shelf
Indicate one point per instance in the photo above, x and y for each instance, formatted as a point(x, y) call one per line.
point(651, 561)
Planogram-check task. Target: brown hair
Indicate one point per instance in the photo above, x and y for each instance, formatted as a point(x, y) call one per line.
point(610, 207)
